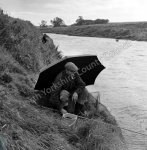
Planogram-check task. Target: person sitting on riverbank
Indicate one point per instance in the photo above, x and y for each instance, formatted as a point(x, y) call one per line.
point(72, 93)
point(44, 38)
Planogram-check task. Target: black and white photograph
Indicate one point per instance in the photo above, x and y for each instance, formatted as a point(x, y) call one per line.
point(73, 75)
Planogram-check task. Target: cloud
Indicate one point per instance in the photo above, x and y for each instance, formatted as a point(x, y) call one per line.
point(69, 10)
point(33, 13)
point(35, 18)
point(70, 7)
point(55, 3)
point(21, 14)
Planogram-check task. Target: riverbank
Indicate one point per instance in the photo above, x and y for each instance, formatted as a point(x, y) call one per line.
point(131, 31)
point(23, 123)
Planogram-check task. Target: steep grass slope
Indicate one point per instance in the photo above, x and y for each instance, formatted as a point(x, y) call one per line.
point(23, 124)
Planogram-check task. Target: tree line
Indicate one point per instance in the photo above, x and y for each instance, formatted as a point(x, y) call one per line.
point(58, 22)
point(81, 21)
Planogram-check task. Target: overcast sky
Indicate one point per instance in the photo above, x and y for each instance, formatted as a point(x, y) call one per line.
point(69, 10)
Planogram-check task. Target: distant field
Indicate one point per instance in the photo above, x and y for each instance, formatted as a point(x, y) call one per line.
point(124, 30)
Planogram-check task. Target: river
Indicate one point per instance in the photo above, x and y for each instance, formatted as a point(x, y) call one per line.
point(122, 84)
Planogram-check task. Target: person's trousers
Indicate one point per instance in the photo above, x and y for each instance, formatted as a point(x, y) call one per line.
point(78, 106)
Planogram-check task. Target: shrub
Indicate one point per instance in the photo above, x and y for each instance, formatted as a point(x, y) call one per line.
point(24, 90)
point(5, 78)
point(14, 69)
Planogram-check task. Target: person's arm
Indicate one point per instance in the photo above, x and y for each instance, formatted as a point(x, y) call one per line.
point(55, 94)
point(80, 85)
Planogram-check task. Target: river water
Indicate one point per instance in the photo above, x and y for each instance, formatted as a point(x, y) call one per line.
point(122, 84)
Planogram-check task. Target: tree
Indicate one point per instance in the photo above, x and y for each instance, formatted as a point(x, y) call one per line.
point(56, 22)
point(43, 24)
point(101, 21)
point(80, 20)
point(1, 11)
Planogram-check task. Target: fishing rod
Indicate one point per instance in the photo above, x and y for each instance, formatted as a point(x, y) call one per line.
point(97, 120)
point(86, 118)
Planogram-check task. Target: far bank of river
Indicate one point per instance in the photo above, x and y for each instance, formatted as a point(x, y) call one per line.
point(131, 31)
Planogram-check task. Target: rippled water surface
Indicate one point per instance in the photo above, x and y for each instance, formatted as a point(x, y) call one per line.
point(123, 84)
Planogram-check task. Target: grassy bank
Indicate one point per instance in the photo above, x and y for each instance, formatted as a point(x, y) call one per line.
point(24, 125)
point(131, 31)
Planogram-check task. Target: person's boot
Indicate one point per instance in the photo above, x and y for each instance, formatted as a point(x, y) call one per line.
point(71, 106)
point(79, 109)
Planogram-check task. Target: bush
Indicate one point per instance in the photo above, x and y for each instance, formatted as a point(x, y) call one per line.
point(5, 78)
point(14, 69)
point(24, 90)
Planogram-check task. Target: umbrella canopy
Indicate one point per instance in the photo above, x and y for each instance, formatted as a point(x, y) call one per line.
point(89, 68)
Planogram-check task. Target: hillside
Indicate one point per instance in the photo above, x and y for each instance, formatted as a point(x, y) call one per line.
point(24, 125)
point(132, 31)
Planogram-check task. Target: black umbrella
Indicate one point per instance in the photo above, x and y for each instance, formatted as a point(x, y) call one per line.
point(89, 68)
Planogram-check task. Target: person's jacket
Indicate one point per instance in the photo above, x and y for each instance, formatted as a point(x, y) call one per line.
point(64, 82)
